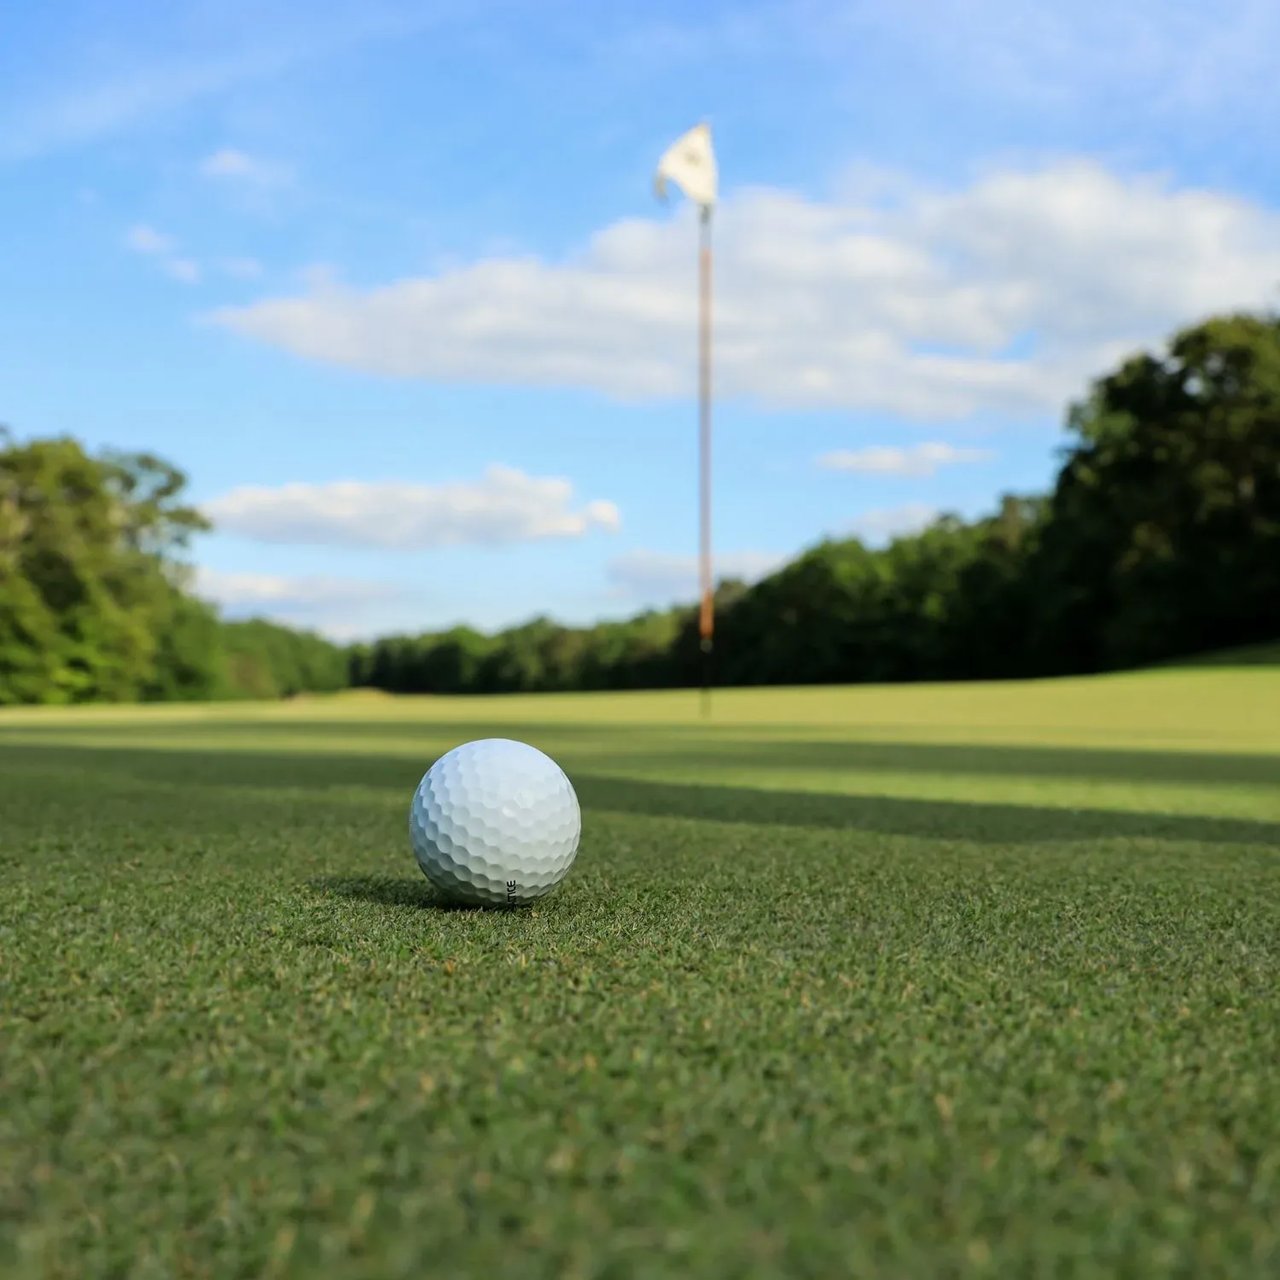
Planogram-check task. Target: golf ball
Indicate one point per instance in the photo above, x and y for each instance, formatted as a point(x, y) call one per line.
point(495, 823)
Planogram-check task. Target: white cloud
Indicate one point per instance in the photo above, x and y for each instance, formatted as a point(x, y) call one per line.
point(1004, 296)
point(235, 590)
point(147, 240)
point(883, 524)
point(185, 270)
point(232, 165)
point(341, 608)
point(654, 576)
point(918, 460)
point(151, 243)
point(241, 268)
point(506, 506)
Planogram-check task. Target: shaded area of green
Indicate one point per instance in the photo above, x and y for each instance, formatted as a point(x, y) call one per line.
point(981, 817)
point(762, 1030)
point(674, 752)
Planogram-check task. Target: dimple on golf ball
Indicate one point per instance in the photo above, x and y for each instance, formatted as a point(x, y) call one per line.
point(495, 823)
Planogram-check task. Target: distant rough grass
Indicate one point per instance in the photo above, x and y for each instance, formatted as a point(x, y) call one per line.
point(921, 981)
point(1258, 655)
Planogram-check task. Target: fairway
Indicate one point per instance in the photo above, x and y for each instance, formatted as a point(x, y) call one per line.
point(904, 981)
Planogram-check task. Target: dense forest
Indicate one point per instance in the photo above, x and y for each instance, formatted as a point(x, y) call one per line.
point(1159, 538)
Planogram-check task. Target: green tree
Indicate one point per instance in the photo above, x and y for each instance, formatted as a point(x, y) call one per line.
point(191, 657)
point(1163, 534)
point(267, 660)
point(997, 596)
point(451, 662)
point(518, 660)
point(87, 545)
point(813, 621)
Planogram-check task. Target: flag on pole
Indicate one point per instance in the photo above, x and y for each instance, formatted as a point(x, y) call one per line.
point(691, 164)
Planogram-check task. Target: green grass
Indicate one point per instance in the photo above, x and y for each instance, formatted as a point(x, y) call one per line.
point(930, 981)
point(1256, 655)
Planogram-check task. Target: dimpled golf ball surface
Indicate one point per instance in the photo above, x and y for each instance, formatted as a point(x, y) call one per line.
point(495, 823)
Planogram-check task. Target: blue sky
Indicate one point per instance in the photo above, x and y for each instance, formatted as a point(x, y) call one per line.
point(391, 284)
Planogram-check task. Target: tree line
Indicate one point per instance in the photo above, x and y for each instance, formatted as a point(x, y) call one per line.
point(1159, 538)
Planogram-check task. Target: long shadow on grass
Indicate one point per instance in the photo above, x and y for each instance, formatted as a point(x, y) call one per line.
point(895, 816)
point(1076, 763)
point(681, 749)
point(316, 775)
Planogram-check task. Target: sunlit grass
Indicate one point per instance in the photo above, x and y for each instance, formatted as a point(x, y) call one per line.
point(922, 980)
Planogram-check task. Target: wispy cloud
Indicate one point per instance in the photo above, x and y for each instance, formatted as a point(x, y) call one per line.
point(184, 270)
point(655, 577)
point(139, 84)
point(505, 506)
point(917, 460)
point(241, 268)
point(1149, 58)
point(165, 250)
point(231, 165)
point(883, 524)
point(144, 239)
point(150, 243)
point(84, 112)
point(1003, 296)
point(1172, 59)
point(342, 608)
point(239, 590)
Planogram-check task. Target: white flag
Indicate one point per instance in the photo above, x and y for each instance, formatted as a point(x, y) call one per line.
point(691, 164)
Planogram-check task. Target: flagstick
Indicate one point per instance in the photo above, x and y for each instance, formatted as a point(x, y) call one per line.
point(706, 621)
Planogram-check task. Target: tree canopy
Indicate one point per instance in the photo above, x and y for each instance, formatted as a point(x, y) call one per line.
point(95, 602)
point(1163, 534)
point(1159, 538)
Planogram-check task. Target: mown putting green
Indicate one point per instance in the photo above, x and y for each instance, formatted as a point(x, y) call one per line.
point(926, 980)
